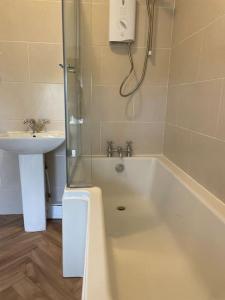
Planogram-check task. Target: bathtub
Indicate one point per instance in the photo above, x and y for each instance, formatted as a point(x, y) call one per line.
point(149, 233)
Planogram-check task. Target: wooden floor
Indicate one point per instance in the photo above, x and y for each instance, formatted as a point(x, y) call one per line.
point(30, 264)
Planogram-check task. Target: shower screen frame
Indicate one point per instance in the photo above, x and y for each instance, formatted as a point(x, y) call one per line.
point(78, 136)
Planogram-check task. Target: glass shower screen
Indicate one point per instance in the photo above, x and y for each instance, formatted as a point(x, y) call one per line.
point(78, 142)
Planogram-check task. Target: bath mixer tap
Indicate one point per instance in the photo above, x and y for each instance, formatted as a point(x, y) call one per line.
point(120, 151)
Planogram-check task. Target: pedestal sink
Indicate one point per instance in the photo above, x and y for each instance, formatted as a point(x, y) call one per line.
point(31, 148)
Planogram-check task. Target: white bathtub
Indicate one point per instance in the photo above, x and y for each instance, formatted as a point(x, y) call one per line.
point(169, 242)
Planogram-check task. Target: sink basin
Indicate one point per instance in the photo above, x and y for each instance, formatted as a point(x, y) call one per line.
point(24, 142)
point(31, 148)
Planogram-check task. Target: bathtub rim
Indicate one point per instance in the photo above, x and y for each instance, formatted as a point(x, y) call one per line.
point(212, 202)
point(207, 198)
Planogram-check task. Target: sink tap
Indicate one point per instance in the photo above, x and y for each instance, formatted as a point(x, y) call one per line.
point(41, 124)
point(31, 124)
point(36, 126)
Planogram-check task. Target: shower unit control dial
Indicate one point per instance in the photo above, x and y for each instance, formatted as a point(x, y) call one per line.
point(122, 20)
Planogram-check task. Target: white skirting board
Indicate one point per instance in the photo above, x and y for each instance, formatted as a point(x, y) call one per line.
point(54, 211)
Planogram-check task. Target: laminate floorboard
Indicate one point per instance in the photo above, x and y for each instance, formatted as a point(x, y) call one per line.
point(31, 263)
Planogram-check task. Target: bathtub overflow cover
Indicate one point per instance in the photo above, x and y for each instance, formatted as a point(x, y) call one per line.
point(121, 208)
point(119, 168)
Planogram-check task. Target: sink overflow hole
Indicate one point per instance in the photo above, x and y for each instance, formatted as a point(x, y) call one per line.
point(121, 208)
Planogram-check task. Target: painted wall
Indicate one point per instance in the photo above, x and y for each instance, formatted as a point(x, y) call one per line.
point(31, 84)
point(195, 129)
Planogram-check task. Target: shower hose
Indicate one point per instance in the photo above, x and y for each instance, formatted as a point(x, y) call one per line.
point(150, 4)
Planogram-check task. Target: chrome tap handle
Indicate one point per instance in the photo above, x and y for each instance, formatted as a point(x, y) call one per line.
point(109, 149)
point(28, 121)
point(129, 148)
point(41, 124)
point(31, 124)
point(44, 121)
point(109, 145)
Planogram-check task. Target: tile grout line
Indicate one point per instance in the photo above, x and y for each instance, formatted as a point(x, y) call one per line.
point(100, 137)
point(30, 42)
point(200, 52)
point(28, 62)
point(198, 31)
point(168, 83)
point(196, 82)
point(196, 132)
point(219, 112)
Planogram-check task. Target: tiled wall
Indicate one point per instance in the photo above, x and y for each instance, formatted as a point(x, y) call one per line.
point(31, 83)
point(139, 118)
point(195, 130)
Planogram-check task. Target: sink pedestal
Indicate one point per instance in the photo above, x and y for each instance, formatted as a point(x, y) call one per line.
point(31, 149)
point(33, 191)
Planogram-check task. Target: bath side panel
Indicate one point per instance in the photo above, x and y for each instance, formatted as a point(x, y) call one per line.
point(74, 236)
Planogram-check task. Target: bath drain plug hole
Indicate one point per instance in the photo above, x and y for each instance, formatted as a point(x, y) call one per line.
point(119, 168)
point(121, 208)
